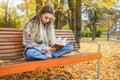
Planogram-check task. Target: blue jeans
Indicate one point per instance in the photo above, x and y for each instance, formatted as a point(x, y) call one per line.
point(34, 54)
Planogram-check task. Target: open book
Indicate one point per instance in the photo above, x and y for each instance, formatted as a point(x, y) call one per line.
point(59, 43)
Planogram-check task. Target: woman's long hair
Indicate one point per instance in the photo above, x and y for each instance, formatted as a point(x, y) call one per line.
point(36, 32)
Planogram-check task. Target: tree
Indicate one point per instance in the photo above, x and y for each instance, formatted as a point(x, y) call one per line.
point(78, 21)
point(7, 11)
point(6, 15)
point(97, 13)
point(75, 7)
point(94, 16)
point(71, 4)
point(2, 14)
point(58, 7)
point(40, 4)
point(27, 10)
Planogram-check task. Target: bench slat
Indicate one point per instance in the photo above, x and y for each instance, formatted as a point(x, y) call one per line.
point(28, 66)
point(63, 31)
point(11, 29)
point(10, 36)
point(11, 32)
point(11, 47)
point(11, 50)
point(19, 30)
point(10, 43)
point(10, 39)
point(11, 55)
point(65, 36)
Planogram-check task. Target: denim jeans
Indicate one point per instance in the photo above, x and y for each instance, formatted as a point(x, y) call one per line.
point(34, 54)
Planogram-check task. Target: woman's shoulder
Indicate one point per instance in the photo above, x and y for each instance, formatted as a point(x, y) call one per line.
point(29, 24)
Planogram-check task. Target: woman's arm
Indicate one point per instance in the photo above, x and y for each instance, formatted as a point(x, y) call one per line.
point(28, 42)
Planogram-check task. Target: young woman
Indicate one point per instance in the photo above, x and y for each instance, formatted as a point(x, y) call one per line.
point(39, 36)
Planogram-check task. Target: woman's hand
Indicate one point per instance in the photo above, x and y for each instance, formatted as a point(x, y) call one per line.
point(51, 49)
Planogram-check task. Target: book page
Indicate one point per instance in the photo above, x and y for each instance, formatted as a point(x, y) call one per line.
point(59, 43)
point(57, 46)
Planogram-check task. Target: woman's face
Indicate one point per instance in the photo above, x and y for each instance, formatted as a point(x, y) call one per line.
point(46, 18)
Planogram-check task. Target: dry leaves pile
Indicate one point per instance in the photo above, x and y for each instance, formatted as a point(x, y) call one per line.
point(110, 66)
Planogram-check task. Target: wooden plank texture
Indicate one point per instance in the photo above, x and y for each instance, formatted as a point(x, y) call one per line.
point(11, 45)
point(11, 32)
point(11, 54)
point(10, 29)
point(11, 40)
point(23, 67)
point(10, 36)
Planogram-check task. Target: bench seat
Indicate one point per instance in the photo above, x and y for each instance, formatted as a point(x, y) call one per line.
point(11, 47)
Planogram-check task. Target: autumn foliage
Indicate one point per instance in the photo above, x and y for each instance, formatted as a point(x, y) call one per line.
point(110, 66)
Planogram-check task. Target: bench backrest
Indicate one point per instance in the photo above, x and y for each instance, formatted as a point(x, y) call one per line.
point(11, 41)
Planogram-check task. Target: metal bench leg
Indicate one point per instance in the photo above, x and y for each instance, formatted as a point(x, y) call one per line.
point(98, 72)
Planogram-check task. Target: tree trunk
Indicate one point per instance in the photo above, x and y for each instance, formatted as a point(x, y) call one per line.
point(6, 15)
point(58, 13)
point(94, 32)
point(78, 21)
point(94, 21)
point(40, 4)
point(71, 4)
point(69, 20)
point(57, 20)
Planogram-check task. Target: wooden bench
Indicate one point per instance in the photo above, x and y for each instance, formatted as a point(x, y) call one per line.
point(11, 47)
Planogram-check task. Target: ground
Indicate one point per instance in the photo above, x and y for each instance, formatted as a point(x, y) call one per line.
point(110, 65)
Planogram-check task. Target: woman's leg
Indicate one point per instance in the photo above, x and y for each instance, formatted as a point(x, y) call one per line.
point(34, 54)
point(66, 49)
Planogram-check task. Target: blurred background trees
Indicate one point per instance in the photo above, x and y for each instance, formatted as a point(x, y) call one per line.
point(87, 18)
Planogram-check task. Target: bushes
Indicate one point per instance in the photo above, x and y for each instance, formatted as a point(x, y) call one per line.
point(98, 33)
point(87, 33)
